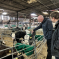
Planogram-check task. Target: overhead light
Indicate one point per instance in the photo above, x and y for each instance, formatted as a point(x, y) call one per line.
point(57, 11)
point(31, 1)
point(33, 14)
point(4, 13)
point(46, 13)
point(2, 17)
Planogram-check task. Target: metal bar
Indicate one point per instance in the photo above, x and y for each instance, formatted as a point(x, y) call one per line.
point(35, 46)
point(25, 2)
point(13, 47)
point(16, 52)
point(42, 44)
point(5, 56)
point(5, 49)
point(12, 53)
point(39, 51)
point(17, 18)
point(6, 30)
point(41, 48)
point(53, 3)
point(25, 53)
point(39, 41)
point(39, 44)
point(15, 2)
point(6, 8)
point(9, 5)
point(37, 7)
point(42, 3)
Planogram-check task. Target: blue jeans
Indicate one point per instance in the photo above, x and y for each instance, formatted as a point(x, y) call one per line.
point(57, 57)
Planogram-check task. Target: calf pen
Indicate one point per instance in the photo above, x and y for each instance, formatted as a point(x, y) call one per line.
point(22, 51)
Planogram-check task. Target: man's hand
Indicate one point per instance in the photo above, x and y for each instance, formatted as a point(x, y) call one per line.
point(32, 31)
point(13, 38)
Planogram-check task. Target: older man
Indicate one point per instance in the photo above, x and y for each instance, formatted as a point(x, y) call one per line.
point(47, 26)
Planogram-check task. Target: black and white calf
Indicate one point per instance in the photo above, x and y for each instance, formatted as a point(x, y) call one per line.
point(16, 36)
point(23, 34)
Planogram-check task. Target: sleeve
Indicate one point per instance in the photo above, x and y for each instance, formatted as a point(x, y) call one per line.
point(50, 28)
point(40, 26)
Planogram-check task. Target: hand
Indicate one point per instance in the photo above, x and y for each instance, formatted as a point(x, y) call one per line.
point(32, 31)
point(13, 38)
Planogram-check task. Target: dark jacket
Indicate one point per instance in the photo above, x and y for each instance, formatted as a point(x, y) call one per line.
point(55, 41)
point(47, 28)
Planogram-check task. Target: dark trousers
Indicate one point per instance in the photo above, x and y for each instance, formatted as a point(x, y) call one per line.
point(49, 56)
point(57, 57)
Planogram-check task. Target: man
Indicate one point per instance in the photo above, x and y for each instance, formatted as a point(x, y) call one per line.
point(47, 26)
point(55, 37)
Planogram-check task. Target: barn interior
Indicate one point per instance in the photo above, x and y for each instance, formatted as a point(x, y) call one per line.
point(17, 20)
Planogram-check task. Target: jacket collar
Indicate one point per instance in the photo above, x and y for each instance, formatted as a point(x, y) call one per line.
point(44, 20)
point(57, 24)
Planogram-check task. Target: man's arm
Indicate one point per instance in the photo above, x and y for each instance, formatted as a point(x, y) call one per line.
point(40, 26)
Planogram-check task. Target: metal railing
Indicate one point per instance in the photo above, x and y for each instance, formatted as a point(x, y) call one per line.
point(35, 47)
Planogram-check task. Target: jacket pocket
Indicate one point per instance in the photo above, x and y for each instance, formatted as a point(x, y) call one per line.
point(56, 45)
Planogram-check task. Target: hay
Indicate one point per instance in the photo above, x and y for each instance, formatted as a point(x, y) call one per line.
point(41, 55)
point(38, 44)
point(28, 57)
point(8, 41)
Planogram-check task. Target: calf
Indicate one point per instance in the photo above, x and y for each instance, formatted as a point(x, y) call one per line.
point(5, 52)
point(19, 34)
